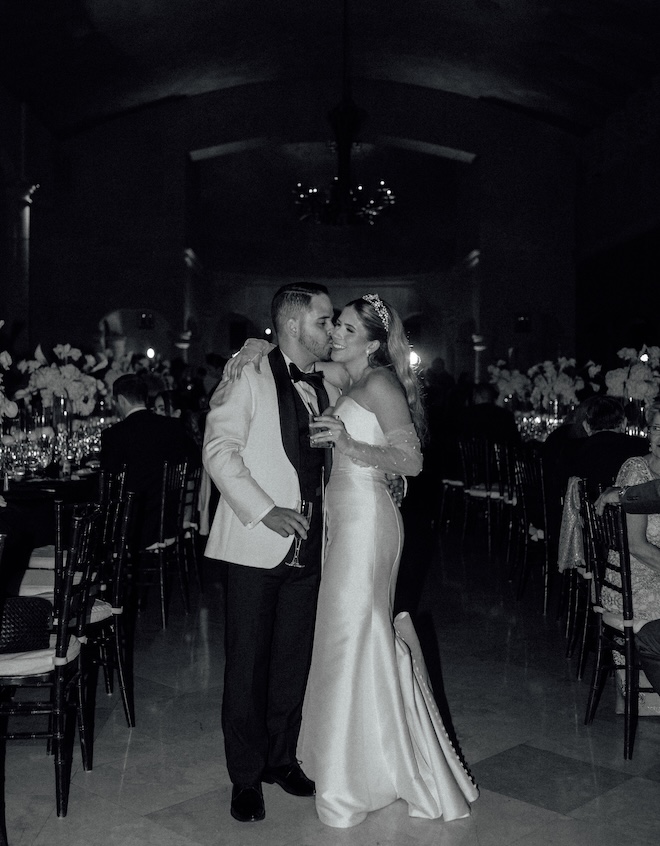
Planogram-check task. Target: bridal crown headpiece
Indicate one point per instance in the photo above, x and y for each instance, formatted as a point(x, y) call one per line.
point(380, 308)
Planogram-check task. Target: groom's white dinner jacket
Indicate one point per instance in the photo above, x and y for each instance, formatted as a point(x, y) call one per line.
point(251, 454)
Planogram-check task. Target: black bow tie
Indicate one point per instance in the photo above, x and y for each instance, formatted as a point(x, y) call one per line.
point(314, 379)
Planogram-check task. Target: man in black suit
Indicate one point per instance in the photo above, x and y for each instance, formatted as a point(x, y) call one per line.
point(143, 441)
point(257, 452)
point(635, 499)
point(599, 457)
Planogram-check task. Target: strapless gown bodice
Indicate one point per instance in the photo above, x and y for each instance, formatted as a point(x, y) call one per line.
point(371, 731)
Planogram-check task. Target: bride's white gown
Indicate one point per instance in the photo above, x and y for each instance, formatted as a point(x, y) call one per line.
point(371, 730)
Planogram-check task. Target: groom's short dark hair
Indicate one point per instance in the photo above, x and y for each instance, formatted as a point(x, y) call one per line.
point(290, 300)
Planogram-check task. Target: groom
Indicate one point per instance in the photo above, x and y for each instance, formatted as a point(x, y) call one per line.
point(256, 450)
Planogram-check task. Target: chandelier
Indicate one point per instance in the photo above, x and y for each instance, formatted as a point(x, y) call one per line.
point(342, 202)
point(334, 204)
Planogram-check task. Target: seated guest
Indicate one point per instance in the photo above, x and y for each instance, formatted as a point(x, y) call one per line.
point(143, 442)
point(562, 441)
point(598, 457)
point(638, 499)
point(167, 404)
point(484, 418)
point(183, 407)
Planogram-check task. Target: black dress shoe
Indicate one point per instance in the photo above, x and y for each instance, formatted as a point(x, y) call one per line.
point(247, 802)
point(290, 778)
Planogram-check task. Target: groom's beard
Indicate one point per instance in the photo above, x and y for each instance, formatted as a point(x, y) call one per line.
point(320, 351)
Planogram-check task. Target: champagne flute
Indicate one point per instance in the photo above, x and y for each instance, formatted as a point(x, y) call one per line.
point(306, 508)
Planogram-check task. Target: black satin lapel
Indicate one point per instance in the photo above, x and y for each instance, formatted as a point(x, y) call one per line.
point(287, 406)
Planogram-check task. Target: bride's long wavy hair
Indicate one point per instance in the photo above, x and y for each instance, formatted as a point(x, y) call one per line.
point(393, 352)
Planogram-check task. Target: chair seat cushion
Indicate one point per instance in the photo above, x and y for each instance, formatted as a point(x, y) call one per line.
point(43, 558)
point(154, 547)
point(481, 492)
point(41, 583)
point(101, 610)
point(36, 662)
point(37, 582)
point(614, 620)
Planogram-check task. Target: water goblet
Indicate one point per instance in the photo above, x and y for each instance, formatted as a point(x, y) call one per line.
point(314, 430)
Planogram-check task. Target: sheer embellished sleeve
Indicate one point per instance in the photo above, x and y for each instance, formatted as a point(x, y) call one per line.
point(402, 455)
point(633, 471)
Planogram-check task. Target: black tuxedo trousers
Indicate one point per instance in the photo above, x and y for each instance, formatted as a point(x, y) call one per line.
point(270, 620)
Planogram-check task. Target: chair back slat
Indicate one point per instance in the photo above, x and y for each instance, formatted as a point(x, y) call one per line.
point(173, 494)
point(607, 548)
point(111, 485)
point(530, 489)
point(189, 504)
point(480, 463)
point(506, 455)
point(122, 548)
point(72, 602)
point(59, 544)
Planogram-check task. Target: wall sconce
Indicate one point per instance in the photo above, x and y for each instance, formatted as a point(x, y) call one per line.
point(183, 340)
point(478, 344)
point(522, 323)
point(146, 320)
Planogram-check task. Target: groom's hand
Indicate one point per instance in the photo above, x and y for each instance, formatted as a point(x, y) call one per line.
point(286, 522)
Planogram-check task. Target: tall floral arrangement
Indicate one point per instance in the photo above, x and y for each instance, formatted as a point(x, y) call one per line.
point(156, 372)
point(552, 381)
point(509, 383)
point(8, 407)
point(639, 377)
point(70, 375)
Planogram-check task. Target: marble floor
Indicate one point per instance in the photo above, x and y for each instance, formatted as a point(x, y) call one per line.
point(514, 702)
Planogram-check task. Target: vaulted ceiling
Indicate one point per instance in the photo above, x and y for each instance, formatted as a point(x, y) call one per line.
point(570, 64)
point(567, 64)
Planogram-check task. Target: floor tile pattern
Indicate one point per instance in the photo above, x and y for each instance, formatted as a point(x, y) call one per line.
point(501, 677)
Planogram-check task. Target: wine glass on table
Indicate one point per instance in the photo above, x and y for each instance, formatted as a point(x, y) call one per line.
point(306, 508)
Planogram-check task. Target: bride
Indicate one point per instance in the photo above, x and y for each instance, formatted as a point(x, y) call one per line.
point(371, 732)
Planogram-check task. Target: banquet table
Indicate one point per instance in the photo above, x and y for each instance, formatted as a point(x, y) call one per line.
point(27, 517)
point(536, 425)
point(81, 486)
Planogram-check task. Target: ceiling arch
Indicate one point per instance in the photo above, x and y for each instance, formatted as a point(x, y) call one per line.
point(564, 63)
